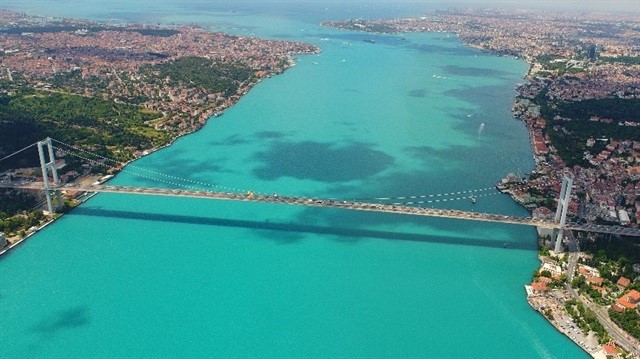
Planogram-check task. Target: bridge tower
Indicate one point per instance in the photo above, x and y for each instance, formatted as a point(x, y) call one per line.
point(46, 166)
point(561, 211)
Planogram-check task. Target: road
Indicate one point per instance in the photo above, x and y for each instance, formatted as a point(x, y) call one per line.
point(311, 202)
point(408, 208)
point(621, 337)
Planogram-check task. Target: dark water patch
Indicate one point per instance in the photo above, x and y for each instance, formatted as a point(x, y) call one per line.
point(286, 37)
point(430, 156)
point(345, 123)
point(371, 38)
point(492, 99)
point(418, 93)
point(282, 236)
point(319, 161)
point(475, 71)
point(67, 319)
point(178, 173)
point(233, 140)
point(270, 135)
point(356, 222)
point(443, 50)
point(347, 231)
point(419, 183)
point(472, 159)
point(187, 168)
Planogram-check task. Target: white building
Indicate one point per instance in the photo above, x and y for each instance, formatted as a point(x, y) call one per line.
point(624, 217)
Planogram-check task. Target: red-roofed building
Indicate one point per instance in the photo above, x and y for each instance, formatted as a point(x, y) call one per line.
point(610, 349)
point(595, 280)
point(545, 280)
point(538, 287)
point(634, 296)
point(623, 282)
point(617, 307)
point(624, 301)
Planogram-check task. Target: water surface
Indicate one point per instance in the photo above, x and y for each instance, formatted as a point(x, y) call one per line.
point(145, 276)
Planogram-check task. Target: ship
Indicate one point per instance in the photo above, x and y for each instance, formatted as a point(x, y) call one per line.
point(372, 41)
point(473, 199)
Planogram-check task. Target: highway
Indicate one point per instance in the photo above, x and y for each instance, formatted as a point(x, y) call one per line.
point(331, 203)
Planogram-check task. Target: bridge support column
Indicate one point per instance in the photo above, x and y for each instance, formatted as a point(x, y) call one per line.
point(46, 166)
point(561, 211)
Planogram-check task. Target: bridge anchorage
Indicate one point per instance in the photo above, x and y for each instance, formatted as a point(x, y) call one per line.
point(54, 199)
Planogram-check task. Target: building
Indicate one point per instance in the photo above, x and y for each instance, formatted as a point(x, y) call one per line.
point(623, 282)
point(624, 217)
point(629, 300)
point(610, 349)
point(617, 307)
point(3, 240)
point(538, 287)
point(595, 280)
point(634, 296)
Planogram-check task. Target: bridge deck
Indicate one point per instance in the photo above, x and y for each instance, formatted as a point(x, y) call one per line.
point(350, 205)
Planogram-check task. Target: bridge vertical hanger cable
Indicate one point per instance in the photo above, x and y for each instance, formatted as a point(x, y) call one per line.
point(433, 198)
point(146, 170)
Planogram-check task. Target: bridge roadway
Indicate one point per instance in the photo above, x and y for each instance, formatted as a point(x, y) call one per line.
point(330, 203)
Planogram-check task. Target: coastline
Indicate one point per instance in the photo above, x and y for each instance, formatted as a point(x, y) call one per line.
point(197, 122)
point(596, 351)
point(532, 299)
point(525, 309)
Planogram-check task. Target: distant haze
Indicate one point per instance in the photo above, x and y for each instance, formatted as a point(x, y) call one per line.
point(579, 5)
point(336, 9)
point(576, 5)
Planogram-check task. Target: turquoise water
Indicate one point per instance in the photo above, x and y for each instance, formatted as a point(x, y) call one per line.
point(142, 276)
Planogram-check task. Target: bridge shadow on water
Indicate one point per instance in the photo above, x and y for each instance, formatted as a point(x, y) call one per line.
point(289, 228)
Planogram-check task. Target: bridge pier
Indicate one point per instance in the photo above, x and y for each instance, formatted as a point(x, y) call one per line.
point(561, 211)
point(50, 193)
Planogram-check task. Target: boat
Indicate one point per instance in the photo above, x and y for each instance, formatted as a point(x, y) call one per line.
point(372, 41)
point(473, 199)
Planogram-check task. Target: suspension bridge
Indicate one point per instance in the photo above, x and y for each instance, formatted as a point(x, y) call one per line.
point(406, 205)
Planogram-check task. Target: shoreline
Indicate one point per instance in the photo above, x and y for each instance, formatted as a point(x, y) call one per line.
point(597, 352)
point(199, 121)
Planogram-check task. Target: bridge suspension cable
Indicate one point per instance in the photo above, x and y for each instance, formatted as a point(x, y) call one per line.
point(441, 200)
point(19, 151)
point(470, 193)
point(191, 184)
point(152, 172)
point(126, 170)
